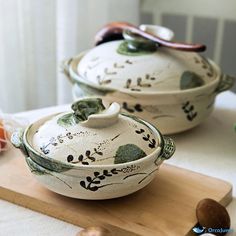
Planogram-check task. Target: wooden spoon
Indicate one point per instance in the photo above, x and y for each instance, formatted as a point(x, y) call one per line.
point(212, 214)
point(113, 31)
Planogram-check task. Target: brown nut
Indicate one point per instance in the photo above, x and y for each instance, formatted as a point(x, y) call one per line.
point(94, 231)
point(211, 214)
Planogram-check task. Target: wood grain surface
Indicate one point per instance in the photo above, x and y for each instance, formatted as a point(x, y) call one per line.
point(165, 207)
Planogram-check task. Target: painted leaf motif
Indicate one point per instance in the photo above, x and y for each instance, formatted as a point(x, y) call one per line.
point(85, 163)
point(70, 158)
point(190, 80)
point(114, 171)
point(87, 153)
point(34, 168)
point(128, 153)
point(139, 131)
point(66, 120)
point(91, 158)
point(191, 116)
point(94, 188)
point(80, 158)
point(90, 91)
point(96, 173)
point(89, 179)
point(138, 108)
point(99, 153)
point(82, 184)
point(125, 106)
point(152, 144)
point(101, 177)
point(106, 173)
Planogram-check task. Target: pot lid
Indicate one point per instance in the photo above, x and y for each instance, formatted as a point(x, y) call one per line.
point(137, 64)
point(93, 134)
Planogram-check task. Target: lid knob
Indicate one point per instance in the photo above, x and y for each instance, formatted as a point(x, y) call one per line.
point(135, 44)
point(86, 107)
point(92, 113)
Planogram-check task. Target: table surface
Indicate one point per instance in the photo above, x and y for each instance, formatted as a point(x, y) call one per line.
point(209, 148)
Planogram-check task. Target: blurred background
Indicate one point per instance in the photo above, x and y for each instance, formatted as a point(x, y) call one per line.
point(36, 36)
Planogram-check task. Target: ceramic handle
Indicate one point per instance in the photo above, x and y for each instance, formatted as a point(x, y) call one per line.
point(90, 112)
point(226, 82)
point(137, 43)
point(17, 141)
point(107, 118)
point(168, 148)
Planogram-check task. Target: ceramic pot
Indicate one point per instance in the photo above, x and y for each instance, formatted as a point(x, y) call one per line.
point(93, 151)
point(174, 90)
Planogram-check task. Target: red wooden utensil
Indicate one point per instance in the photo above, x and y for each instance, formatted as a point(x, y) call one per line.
point(113, 31)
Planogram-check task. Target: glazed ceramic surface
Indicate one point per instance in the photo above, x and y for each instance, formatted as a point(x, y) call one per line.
point(161, 70)
point(106, 135)
point(92, 151)
point(170, 112)
point(100, 182)
point(173, 90)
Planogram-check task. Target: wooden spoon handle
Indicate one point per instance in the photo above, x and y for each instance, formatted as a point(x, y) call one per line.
point(114, 31)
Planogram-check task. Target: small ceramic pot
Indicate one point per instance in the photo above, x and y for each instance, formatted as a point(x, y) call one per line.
point(93, 151)
point(174, 90)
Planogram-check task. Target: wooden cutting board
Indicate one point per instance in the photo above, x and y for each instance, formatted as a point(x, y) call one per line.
point(165, 207)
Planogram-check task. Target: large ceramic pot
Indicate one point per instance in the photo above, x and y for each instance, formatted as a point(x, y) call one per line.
point(174, 90)
point(93, 152)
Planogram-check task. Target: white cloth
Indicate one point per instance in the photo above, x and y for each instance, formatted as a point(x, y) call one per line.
point(209, 149)
point(36, 36)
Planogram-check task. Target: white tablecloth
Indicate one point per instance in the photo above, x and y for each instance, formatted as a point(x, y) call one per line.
point(209, 149)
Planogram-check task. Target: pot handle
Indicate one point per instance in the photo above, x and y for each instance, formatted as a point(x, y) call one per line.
point(168, 148)
point(17, 141)
point(226, 82)
point(65, 69)
point(104, 119)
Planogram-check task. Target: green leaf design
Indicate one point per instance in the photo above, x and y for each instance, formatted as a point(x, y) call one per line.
point(37, 170)
point(82, 110)
point(190, 80)
point(34, 168)
point(66, 120)
point(137, 49)
point(128, 153)
point(49, 164)
point(86, 107)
